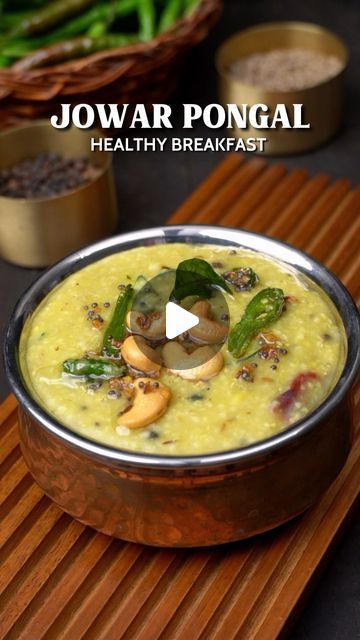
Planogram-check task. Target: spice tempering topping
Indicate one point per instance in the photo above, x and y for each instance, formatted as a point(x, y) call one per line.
point(241, 279)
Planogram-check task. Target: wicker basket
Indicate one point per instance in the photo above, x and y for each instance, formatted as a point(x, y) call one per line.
point(146, 72)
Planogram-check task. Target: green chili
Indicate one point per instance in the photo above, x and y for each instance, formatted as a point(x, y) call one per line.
point(5, 61)
point(70, 49)
point(46, 17)
point(97, 29)
point(21, 4)
point(93, 368)
point(80, 24)
point(261, 311)
point(10, 20)
point(146, 14)
point(170, 13)
point(17, 48)
point(117, 327)
point(191, 5)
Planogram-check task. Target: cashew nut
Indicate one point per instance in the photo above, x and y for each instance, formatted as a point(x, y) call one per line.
point(201, 308)
point(206, 331)
point(152, 326)
point(151, 399)
point(137, 353)
point(202, 364)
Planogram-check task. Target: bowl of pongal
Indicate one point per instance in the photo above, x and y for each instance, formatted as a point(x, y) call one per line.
point(187, 435)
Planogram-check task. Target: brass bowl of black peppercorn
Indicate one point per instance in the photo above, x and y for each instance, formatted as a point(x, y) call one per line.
point(56, 195)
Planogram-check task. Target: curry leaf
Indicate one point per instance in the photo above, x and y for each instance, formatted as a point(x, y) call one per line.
point(196, 277)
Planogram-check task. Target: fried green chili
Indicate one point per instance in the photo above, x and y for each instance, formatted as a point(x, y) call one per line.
point(262, 310)
point(116, 330)
point(93, 368)
point(196, 277)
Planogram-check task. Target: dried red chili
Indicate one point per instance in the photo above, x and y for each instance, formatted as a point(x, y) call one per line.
point(284, 403)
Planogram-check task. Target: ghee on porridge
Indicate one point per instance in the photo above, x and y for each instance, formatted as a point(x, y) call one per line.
point(123, 386)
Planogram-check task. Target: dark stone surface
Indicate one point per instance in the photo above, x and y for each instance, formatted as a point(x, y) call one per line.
point(150, 186)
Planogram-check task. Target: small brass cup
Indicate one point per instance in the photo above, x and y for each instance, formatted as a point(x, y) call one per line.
point(323, 103)
point(38, 232)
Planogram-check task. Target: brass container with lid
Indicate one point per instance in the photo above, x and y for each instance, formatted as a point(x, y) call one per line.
point(323, 103)
point(38, 232)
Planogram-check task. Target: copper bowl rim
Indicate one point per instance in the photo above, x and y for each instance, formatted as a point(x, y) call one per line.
point(196, 234)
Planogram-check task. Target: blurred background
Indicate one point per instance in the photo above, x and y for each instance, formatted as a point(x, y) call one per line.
point(179, 173)
point(150, 186)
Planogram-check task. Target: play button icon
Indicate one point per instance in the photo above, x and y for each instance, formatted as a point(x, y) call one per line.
point(178, 320)
point(194, 322)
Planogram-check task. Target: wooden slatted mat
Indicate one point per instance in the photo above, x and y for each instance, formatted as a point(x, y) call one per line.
point(60, 580)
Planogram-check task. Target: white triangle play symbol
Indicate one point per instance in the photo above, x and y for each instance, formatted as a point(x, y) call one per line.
point(178, 320)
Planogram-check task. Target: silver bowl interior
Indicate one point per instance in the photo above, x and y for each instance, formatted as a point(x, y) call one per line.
point(194, 235)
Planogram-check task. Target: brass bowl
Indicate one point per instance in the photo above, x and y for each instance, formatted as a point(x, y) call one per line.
point(187, 500)
point(38, 232)
point(323, 103)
